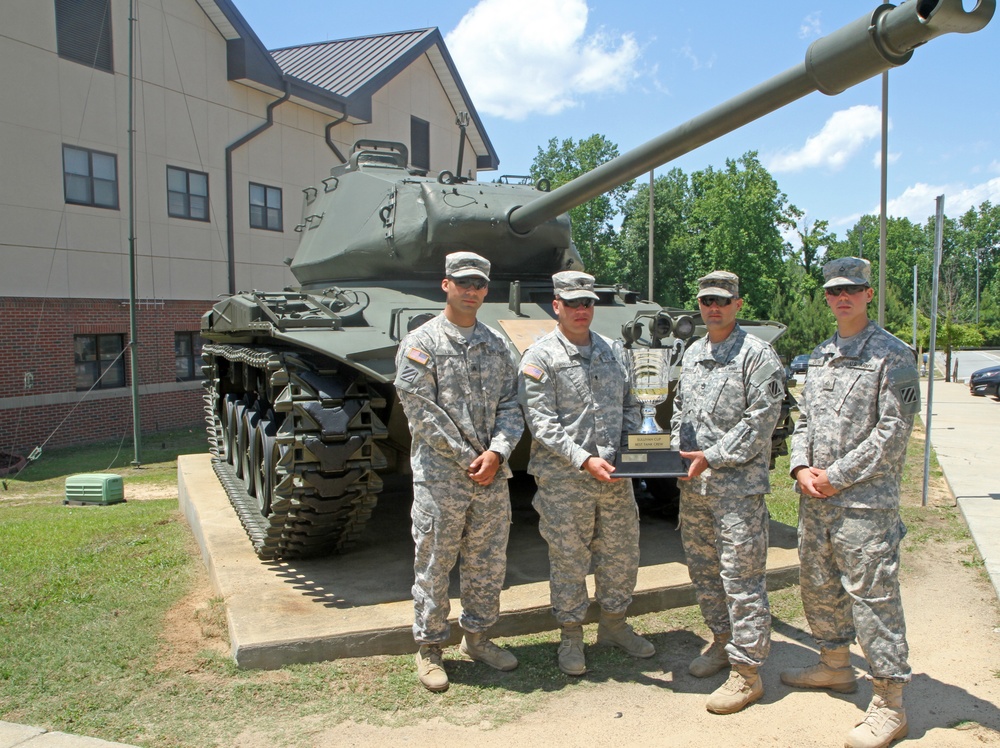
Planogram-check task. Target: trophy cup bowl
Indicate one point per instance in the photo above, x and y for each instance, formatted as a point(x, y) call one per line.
point(650, 383)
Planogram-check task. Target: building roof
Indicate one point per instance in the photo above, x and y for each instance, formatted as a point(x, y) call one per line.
point(342, 75)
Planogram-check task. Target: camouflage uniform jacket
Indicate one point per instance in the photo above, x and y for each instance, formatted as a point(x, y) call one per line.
point(856, 415)
point(575, 410)
point(460, 397)
point(727, 404)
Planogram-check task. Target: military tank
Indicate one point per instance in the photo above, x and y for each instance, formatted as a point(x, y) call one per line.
point(302, 415)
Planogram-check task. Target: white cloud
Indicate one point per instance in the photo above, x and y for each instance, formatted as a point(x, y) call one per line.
point(917, 202)
point(525, 57)
point(843, 135)
point(810, 26)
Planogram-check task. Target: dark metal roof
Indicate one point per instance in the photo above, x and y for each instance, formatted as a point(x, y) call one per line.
point(345, 66)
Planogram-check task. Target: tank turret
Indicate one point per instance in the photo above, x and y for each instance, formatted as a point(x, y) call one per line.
point(303, 421)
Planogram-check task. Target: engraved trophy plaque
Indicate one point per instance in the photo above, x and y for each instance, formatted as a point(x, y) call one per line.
point(648, 452)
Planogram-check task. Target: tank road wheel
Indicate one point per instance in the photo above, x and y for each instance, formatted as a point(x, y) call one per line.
point(248, 452)
point(229, 428)
point(266, 455)
point(240, 438)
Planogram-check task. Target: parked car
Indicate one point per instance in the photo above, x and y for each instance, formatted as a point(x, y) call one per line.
point(985, 382)
point(800, 364)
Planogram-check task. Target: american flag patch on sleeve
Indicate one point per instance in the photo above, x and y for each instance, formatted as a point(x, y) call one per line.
point(530, 370)
point(418, 356)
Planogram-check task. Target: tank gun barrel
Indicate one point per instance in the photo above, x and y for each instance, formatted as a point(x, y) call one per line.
point(883, 39)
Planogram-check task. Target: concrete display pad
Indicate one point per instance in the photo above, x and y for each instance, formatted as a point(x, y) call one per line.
point(359, 604)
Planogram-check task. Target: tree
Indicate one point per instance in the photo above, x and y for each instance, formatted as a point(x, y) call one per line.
point(593, 222)
point(672, 241)
point(814, 242)
point(808, 319)
point(735, 221)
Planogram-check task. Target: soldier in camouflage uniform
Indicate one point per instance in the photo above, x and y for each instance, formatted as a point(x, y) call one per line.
point(856, 415)
point(577, 403)
point(727, 404)
point(457, 382)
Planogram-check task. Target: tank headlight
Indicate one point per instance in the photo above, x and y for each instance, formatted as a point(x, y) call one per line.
point(683, 327)
point(631, 332)
point(660, 327)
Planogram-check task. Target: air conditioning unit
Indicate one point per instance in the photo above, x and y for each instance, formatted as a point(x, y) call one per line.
point(94, 488)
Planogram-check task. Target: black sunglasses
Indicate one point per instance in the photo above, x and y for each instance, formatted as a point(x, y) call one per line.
point(719, 301)
point(577, 303)
point(477, 283)
point(851, 290)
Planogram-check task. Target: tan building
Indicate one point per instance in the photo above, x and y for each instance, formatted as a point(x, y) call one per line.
point(226, 136)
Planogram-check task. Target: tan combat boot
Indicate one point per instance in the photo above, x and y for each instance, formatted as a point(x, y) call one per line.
point(613, 630)
point(481, 649)
point(885, 719)
point(833, 671)
point(712, 659)
point(571, 659)
point(743, 688)
point(430, 668)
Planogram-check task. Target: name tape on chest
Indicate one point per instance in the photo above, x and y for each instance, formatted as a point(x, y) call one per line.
point(418, 356)
point(533, 372)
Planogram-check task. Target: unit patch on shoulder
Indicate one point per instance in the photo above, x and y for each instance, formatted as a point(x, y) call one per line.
point(408, 374)
point(775, 389)
point(418, 356)
point(905, 384)
point(530, 370)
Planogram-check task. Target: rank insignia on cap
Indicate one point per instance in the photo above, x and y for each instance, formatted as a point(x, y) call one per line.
point(418, 356)
point(534, 372)
point(408, 374)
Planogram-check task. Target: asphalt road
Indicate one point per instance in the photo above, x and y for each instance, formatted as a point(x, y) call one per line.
point(968, 361)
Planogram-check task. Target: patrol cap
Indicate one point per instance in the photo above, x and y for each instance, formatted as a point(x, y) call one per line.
point(572, 284)
point(466, 265)
point(847, 271)
point(719, 283)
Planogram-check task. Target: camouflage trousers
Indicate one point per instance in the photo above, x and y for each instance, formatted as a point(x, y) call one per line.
point(453, 519)
point(849, 578)
point(588, 526)
point(725, 543)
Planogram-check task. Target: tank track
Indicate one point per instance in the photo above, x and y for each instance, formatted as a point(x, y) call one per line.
point(292, 439)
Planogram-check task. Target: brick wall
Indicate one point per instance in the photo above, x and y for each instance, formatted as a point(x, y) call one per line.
point(37, 353)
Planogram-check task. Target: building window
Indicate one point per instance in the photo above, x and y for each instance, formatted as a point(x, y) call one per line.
point(187, 194)
point(90, 177)
point(83, 32)
point(187, 355)
point(420, 143)
point(265, 207)
point(99, 363)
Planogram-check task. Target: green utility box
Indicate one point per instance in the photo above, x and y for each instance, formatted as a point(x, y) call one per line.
point(94, 488)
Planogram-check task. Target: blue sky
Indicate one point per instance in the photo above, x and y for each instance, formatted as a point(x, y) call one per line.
point(632, 69)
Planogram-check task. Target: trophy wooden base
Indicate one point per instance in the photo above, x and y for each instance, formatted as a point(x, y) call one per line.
point(649, 463)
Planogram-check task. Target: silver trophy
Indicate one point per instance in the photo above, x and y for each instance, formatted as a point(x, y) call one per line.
point(651, 369)
point(647, 454)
